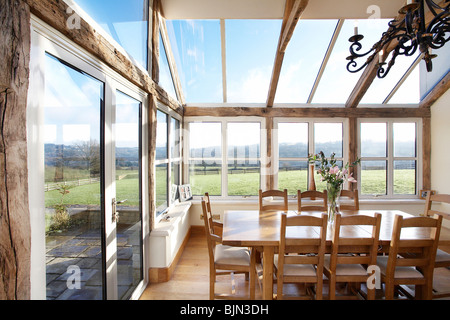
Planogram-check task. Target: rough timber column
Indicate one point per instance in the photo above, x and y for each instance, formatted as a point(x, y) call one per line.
point(14, 214)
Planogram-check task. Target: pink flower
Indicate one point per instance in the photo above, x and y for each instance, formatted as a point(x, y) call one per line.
point(351, 179)
point(334, 170)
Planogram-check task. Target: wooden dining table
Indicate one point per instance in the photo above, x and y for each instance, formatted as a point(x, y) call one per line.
point(261, 231)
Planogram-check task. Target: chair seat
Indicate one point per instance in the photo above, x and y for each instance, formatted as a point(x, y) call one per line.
point(346, 269)
point(305, 270)
point(232, 255)
point(442, 256)
point(400, 272)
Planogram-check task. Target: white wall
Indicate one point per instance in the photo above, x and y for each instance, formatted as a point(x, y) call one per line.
point(440, 147)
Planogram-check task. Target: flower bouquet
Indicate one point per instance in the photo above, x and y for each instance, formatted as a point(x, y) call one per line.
point(334, 177)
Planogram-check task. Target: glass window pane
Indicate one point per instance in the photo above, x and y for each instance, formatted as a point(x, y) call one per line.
point(244, 139)
point(293, 140)
point(250, 52)
point(205, 176)
point(128, 186)
point(337, 83)
point(302, 62)
point(405, 177)
point(161, 178)
point(243, 177)
point(205, 140)
point(328, 138)
point(196, 46)
point(161, 135)
point(373, 140)
point(73, 209)
point(175, 147)
point(404, 139)
point(293, 176)
point(165, 75)
point(125, 21)
point(373, 177)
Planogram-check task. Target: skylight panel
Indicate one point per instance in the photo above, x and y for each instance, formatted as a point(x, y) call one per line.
point(409, 91)
point(303, 58)
point(250, 54)
point(165, 75)
point(337, 83)
point(380, 88)
point(196, 47)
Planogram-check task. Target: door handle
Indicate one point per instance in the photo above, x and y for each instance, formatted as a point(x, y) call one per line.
point(115, 213)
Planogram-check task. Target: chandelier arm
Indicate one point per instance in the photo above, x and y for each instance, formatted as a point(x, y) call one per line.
point(357, 46)
point(432, 5)
point(353, 64)
point(382, 72)
point(438, 27)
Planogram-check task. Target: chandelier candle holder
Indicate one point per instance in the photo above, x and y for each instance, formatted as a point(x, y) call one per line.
point(410, 32)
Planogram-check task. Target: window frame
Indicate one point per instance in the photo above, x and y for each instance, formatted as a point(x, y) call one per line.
point(170, 160)
point(224, 148)
point(390, 157)
point(311, 142)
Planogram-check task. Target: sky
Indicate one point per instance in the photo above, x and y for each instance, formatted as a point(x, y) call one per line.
point(250, 53)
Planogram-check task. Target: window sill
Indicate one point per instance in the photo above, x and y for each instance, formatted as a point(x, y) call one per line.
point(166, 226)
point(369, 201)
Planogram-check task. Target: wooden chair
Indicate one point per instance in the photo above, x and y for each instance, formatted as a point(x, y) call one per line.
point(270, 194)
point(312, 194)
point(442, 257)
point(218, 226)
point(231, 260)
point(352, 195)
point(397, 268)
point(350, 251)
point(305, 264)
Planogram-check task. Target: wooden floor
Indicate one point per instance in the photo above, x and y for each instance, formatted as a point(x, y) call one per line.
point(190, 280)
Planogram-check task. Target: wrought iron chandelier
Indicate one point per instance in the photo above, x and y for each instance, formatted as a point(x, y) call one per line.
point(410, 32)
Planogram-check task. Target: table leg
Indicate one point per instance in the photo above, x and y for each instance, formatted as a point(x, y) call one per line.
point(268, 253)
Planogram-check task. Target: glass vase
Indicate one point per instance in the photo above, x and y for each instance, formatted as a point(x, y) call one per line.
point(333, 193)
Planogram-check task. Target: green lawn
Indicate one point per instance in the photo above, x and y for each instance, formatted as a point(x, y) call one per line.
point(373, 181)
point(89, 194)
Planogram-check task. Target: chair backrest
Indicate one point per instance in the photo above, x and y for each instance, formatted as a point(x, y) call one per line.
point(211, 237)
point(441, 198)
point(273, 194)
point(302, 241)
point(352, 195)
point(425, 246)
point(347, 239)
point(312, 194)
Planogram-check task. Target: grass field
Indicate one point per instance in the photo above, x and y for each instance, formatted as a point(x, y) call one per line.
point(89, 194)
point(373, 182)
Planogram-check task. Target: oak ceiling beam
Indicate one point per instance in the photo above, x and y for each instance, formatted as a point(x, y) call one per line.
point(307, 112)
point(292, 14)
point(370, 72)
point(438, 90)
